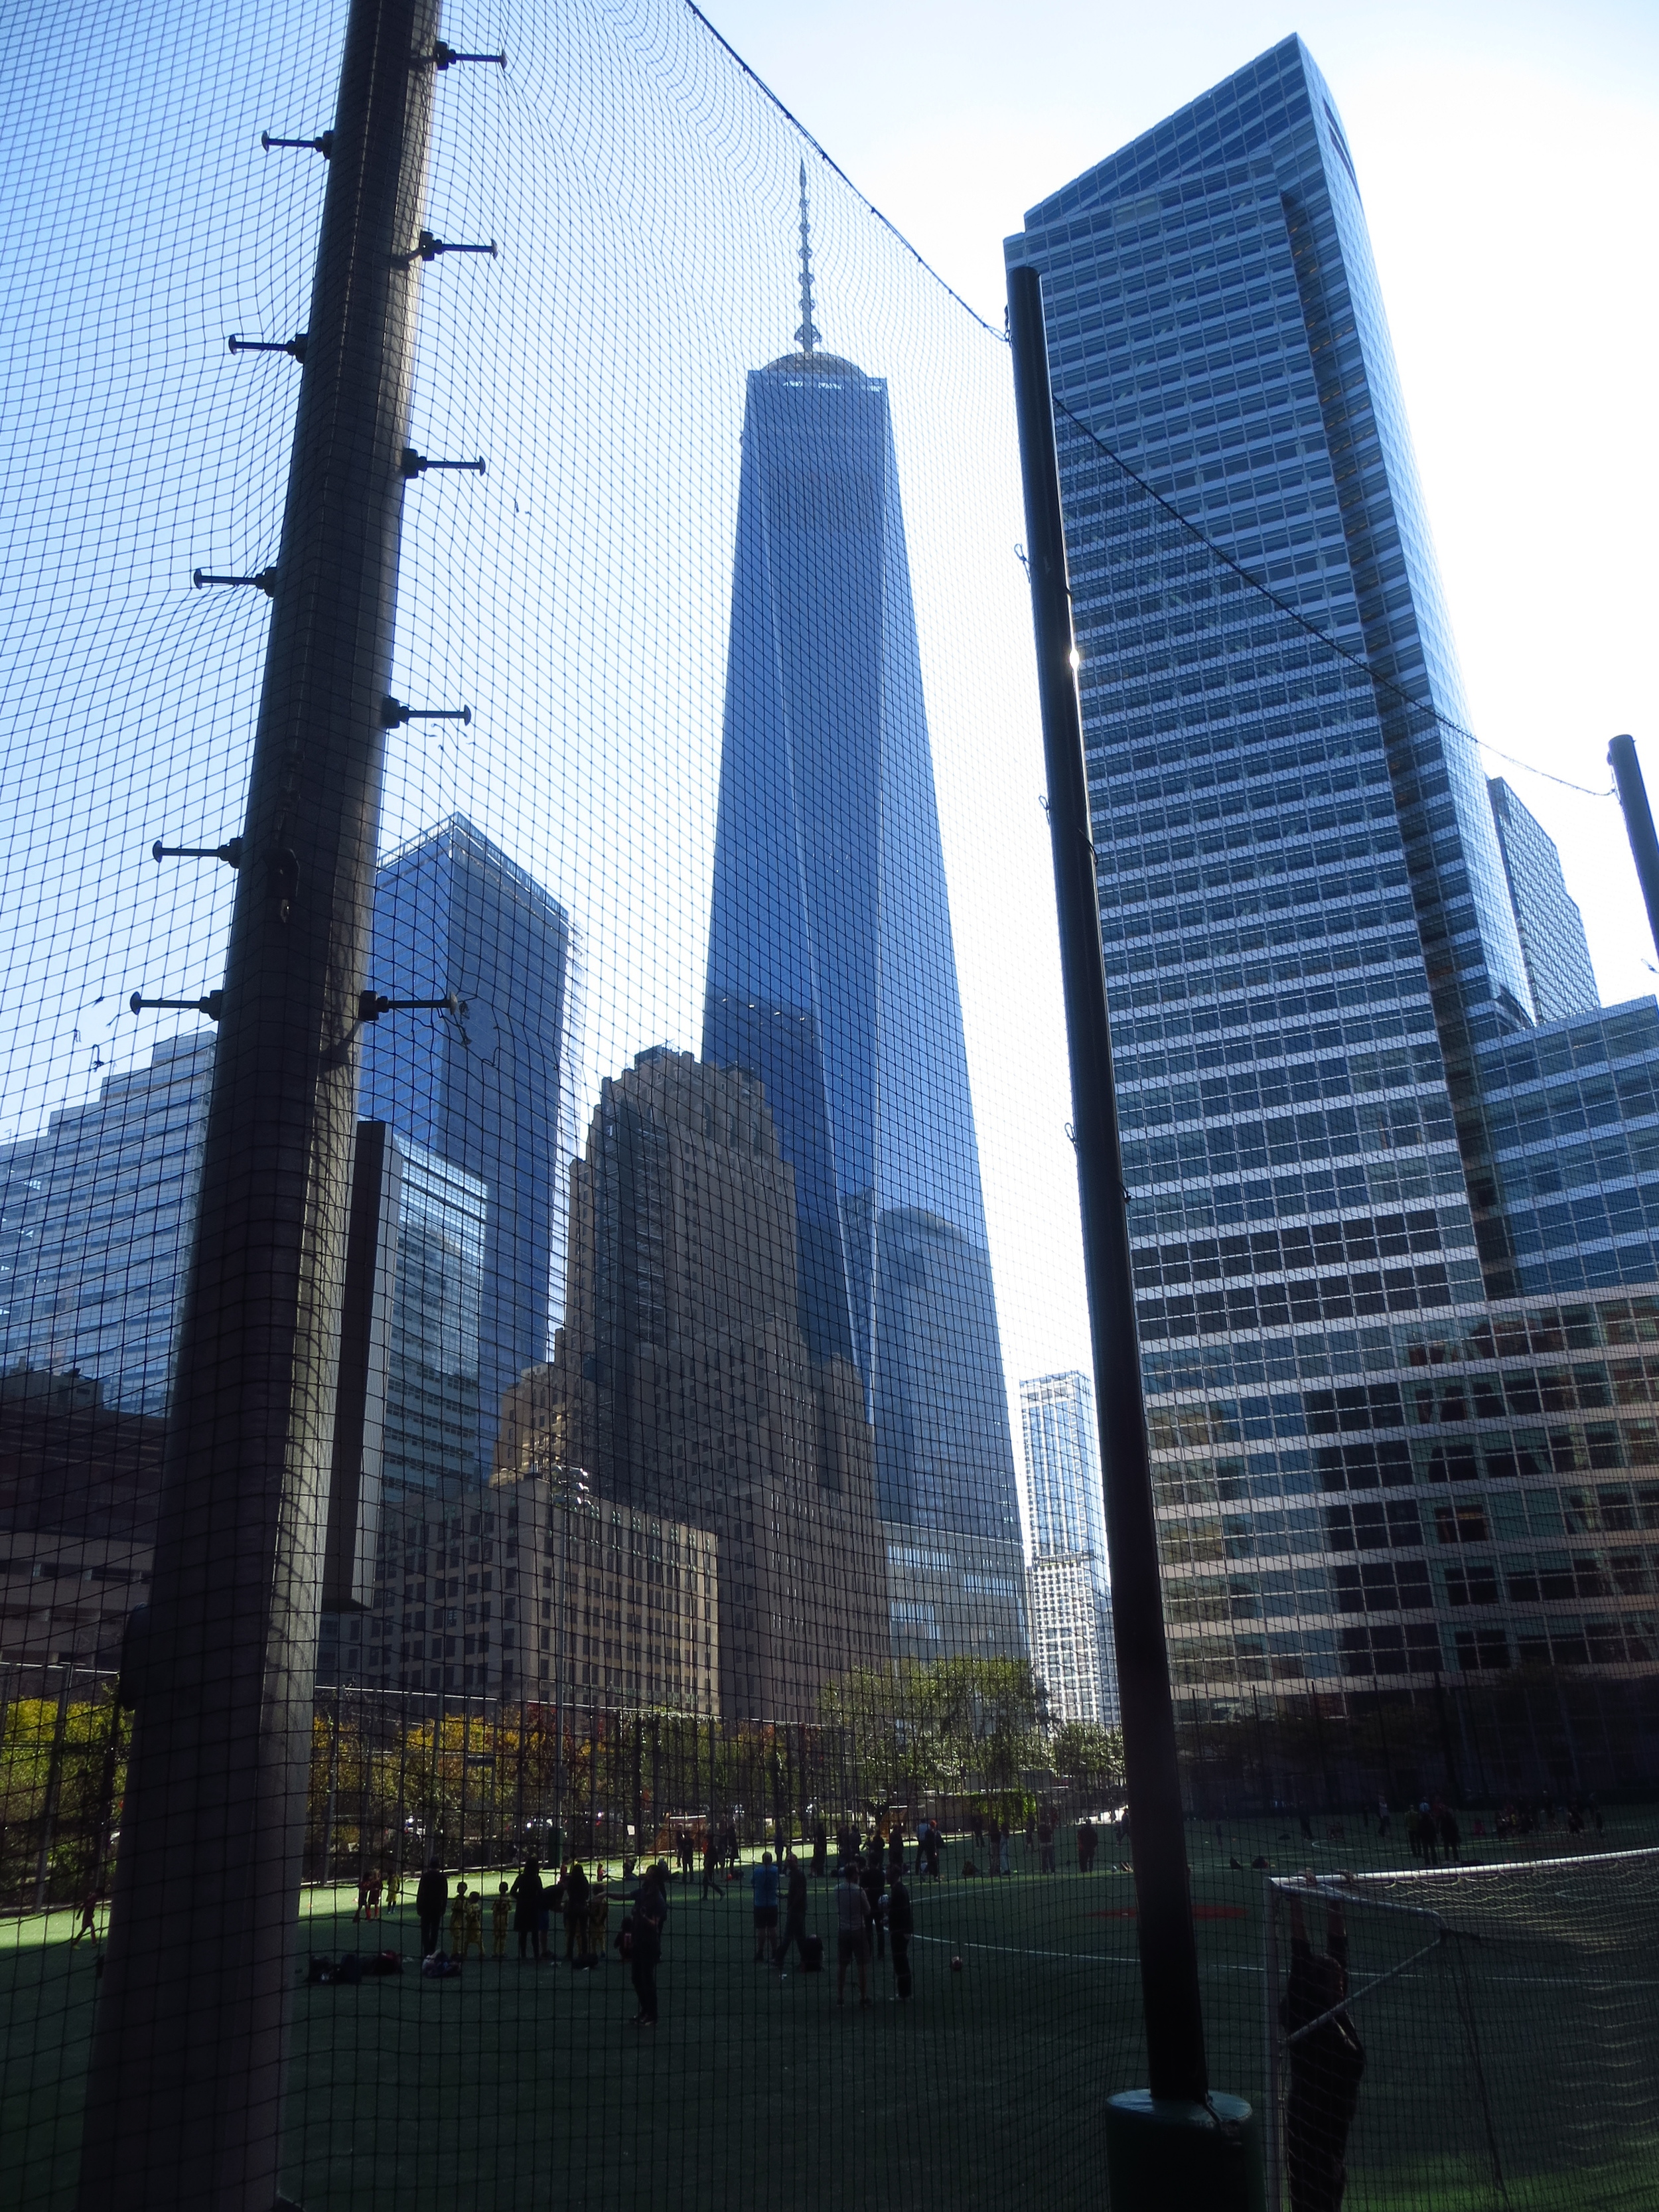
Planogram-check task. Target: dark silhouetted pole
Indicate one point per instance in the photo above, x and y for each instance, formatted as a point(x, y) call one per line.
point(1179, 2139)
point(184, 2093)
point(1638, 825)
point(1169, 1957)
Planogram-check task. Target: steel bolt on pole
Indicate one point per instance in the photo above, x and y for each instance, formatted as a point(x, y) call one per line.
point(1638, 825)
point(1174, 2144)
point(183, 2104)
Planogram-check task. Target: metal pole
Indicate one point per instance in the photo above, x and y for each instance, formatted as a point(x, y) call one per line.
point(184, 2092)
point(54, 1784)
point(1638, 825)
point(1169, 1954)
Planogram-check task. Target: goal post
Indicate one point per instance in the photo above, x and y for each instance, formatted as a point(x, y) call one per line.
point(1464, 2035)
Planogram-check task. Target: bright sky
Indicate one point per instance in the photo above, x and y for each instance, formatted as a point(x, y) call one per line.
point(1509, 156)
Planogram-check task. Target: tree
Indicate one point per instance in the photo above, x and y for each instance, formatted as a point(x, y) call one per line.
point(1090, 1757)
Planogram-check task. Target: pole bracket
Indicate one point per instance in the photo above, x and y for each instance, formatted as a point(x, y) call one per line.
point(371, 1005)
point(428, 247)
point(393, 713)
point(415, 465)
point(212, 1005)
point(294, 346)
point(323, 145)
point(230, 852)
point(444, 57)
point(266, 581)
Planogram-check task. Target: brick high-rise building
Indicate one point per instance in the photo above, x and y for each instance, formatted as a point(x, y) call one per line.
point(682, 1383)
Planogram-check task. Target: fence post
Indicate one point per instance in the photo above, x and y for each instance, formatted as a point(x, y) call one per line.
point(54, 1782)
point(185, 2090)
point(333, 1787)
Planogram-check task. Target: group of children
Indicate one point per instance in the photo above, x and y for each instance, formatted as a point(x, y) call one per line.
point(584, 1906)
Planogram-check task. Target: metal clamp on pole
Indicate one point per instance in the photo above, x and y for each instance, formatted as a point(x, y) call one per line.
point(213, 1005)
point(416, 464)
point(444, 57)
point(427, 248)
point(394, 713)
point(230, 854)
point(266, 581)
point(296, 346)
point(324, 145)
point(371, 1005)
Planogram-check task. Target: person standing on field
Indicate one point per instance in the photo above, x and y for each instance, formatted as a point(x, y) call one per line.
point(852, 1933)
point(529, 1896)
point(901, 1926)
point(645, 1948)
point(431, 1903)
point(794, 1911)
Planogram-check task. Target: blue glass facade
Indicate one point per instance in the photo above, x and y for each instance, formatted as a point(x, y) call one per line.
point(831, 972)
point(1551, 928)
point(96, 1216)
point(1326, 1024)
point(485, 1091)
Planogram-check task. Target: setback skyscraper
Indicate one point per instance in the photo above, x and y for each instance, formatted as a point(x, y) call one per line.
point(832, 981)
point(1386, 1425)
point(683, 1385)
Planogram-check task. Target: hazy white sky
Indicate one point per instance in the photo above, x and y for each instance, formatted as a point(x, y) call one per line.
point(1509, 157)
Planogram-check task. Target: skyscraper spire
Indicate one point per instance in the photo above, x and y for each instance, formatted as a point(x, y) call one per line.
point(807, 336)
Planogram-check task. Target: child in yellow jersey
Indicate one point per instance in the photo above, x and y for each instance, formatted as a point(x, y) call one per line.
point(457, 1922)
point(501, 1912)
point(474, 1922)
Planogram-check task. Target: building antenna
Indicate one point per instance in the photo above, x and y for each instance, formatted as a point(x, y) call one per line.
point(808, 335)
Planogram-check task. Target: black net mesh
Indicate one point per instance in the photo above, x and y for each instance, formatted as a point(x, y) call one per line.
point(553, 1539)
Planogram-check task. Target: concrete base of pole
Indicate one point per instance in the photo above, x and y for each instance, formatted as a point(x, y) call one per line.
point(1165, 2155)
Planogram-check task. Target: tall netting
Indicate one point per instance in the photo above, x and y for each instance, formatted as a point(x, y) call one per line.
point(690, 1203)
point(1464, 2035)
point(555, 1638)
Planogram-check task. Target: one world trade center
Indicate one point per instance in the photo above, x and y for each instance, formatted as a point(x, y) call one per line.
point(832, 978)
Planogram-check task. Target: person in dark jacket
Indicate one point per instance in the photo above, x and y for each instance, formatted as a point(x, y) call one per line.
point(1327, 2062)
point(574, 1902)
point(794, 1909)
point(431, 1903)
point(901, 1926)
point(529, 1917)
point(645, 1948)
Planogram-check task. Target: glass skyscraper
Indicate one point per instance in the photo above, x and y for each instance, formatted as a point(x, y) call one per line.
point(96, 1216)
point(1552, 940)
point(832, 978)
point(1390, 1209)
point(487, 1089)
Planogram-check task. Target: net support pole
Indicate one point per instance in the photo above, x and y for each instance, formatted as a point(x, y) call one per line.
point(185, 2094)
point(1173, 2136)
point(1638, 825)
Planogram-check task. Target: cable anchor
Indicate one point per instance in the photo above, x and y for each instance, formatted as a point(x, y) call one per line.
point(427, 248)
point(294, 346)
point(324, 145)
point(212, 1005)
point(444, 57)
point(265, 582)
point(230, 854)
point(394, 713)
point(371, 1005)
point(414, 465)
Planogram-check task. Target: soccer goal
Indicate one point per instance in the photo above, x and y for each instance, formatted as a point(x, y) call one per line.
point(1465, 2037)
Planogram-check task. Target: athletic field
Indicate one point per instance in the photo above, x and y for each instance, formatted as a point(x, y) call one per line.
point(524, 2086)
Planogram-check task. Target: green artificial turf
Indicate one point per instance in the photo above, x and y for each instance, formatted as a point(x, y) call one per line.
point(518, 2086)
